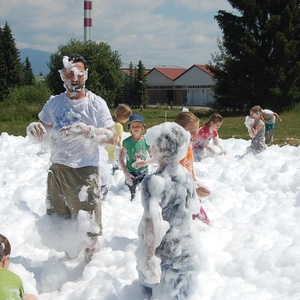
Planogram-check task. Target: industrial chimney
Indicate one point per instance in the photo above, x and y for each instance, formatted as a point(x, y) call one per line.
point(87, 20)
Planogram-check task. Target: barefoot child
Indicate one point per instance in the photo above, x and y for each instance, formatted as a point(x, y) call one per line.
point(136, 152)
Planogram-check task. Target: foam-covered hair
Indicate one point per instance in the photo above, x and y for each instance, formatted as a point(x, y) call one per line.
point(170, 140)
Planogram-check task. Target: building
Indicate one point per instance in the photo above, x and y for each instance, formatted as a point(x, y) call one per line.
point(180, 86)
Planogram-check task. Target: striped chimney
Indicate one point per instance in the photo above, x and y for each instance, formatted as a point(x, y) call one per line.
point(87, 20)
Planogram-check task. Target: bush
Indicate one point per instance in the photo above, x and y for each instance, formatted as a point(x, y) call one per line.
point(24, 103)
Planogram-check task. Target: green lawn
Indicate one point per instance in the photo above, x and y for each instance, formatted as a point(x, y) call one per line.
point(285, 132)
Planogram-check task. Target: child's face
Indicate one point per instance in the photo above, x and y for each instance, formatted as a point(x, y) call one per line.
point(216, 126)
point(136, 128)
point(254, 115)
point(192, 128)
point(5, 261)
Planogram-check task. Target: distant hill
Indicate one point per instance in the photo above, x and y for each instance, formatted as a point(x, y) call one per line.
point(38, 60)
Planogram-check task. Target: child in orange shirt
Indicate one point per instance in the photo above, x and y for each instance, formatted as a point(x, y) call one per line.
point(191, 123)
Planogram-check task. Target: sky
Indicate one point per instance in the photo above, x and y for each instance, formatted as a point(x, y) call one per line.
point(250, 251)
point(157, 32)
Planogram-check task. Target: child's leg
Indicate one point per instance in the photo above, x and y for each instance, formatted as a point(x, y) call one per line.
point(114, 168)
point(268, 137)
point(138, 179)
point(132, 188)
point(271, 135)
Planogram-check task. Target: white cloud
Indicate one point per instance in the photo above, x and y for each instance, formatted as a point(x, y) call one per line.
point(138, 29)
point(203, 5)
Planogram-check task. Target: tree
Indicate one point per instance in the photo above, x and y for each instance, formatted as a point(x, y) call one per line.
point(28, 77)
point(133, 90)
point(12, 72)
point(259, 61)
point(142, 82)
point(126, 90)
point(3, 84)
point(104, 75)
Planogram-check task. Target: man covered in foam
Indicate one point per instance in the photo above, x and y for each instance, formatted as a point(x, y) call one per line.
point(167, 255)
point(74, 124)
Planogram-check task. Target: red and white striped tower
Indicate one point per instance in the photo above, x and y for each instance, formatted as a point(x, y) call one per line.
point(87, 20)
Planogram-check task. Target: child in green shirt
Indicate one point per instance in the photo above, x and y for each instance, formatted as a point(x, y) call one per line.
point(11, 286)
point(136, 152)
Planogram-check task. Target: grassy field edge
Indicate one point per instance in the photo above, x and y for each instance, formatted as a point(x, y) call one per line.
point(286, 132)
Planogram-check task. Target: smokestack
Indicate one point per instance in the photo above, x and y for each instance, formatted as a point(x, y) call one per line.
point(87, 20)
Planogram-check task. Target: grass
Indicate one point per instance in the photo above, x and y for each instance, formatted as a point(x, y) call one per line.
point(14, 128)
point(286, 132)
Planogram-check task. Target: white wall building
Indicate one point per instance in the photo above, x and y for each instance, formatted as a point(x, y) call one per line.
point(198, 82)
point(180, 86)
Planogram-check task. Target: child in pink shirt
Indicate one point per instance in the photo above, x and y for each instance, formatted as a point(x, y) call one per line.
point(205, 134)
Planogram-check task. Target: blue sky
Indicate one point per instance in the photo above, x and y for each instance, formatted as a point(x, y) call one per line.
point(157, 32)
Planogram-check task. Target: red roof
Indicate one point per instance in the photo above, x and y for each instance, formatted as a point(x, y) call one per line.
point(201, 67)
point(171, 73)
point(205, 69)
point(126, 71)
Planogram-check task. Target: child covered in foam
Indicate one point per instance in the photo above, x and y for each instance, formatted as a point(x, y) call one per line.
point(167, 255)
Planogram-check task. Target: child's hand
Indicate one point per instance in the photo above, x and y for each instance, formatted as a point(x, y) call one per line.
point(129, 179)
point(202, 191)
point(139, 163)
point(248, 121)
point(249, 124)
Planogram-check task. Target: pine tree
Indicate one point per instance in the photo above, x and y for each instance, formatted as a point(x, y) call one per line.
point(141, 81)
point(260, 54)
point(134, 86)
point(28, 75)
point(3, 69)
point(13, 72)
point(128, 86)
